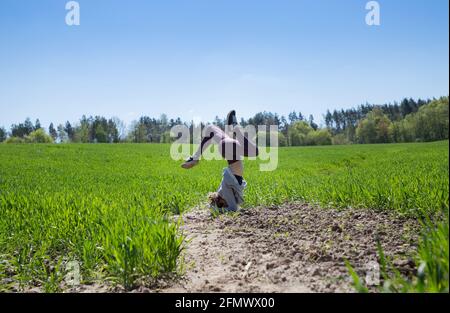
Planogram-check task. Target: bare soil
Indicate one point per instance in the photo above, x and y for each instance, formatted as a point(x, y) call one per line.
point(289, 248)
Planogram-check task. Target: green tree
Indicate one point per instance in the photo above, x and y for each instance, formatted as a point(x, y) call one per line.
point(2, 134)
point(375, 128)
point(39, 136)
point(82, 131)
point(264, 138)
point(320, 137)
point(23, 129)
point(70, 132)
point(219, 122)
point(311, 122)
point(431, 122)
point(121, 128)
point(37, 125)
point(52, 131)
point(113, 131)
point(62, 135)
point(298, 132)
point(340, 139)
point(14, 140)
point(282, 140)
point(137, 133)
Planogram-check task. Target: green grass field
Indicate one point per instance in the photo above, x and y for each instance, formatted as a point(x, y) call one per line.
point(110, 207)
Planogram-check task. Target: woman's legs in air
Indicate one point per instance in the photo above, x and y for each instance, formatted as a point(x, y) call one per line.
point(232, 150)
point(249, 148)
point(211, 134)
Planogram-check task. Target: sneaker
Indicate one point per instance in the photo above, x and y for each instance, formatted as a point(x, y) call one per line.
point(231, 118)
point(189, 163)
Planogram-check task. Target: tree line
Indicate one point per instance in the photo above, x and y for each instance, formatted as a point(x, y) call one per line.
point(408, 121)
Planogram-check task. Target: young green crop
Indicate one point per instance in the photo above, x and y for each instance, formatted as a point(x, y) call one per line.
point(110, 207)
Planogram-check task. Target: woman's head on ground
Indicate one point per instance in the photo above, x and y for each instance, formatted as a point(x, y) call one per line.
point(215, 200)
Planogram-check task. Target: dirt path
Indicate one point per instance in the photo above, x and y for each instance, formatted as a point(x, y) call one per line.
point(289, 248)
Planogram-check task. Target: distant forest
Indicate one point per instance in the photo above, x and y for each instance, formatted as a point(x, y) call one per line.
point(408, 121)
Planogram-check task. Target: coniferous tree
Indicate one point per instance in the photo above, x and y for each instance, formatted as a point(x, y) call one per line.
point(37, 124)
point(2, 134)
point(52, 132)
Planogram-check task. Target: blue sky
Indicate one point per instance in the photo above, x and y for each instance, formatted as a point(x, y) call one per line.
point(200, 58)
